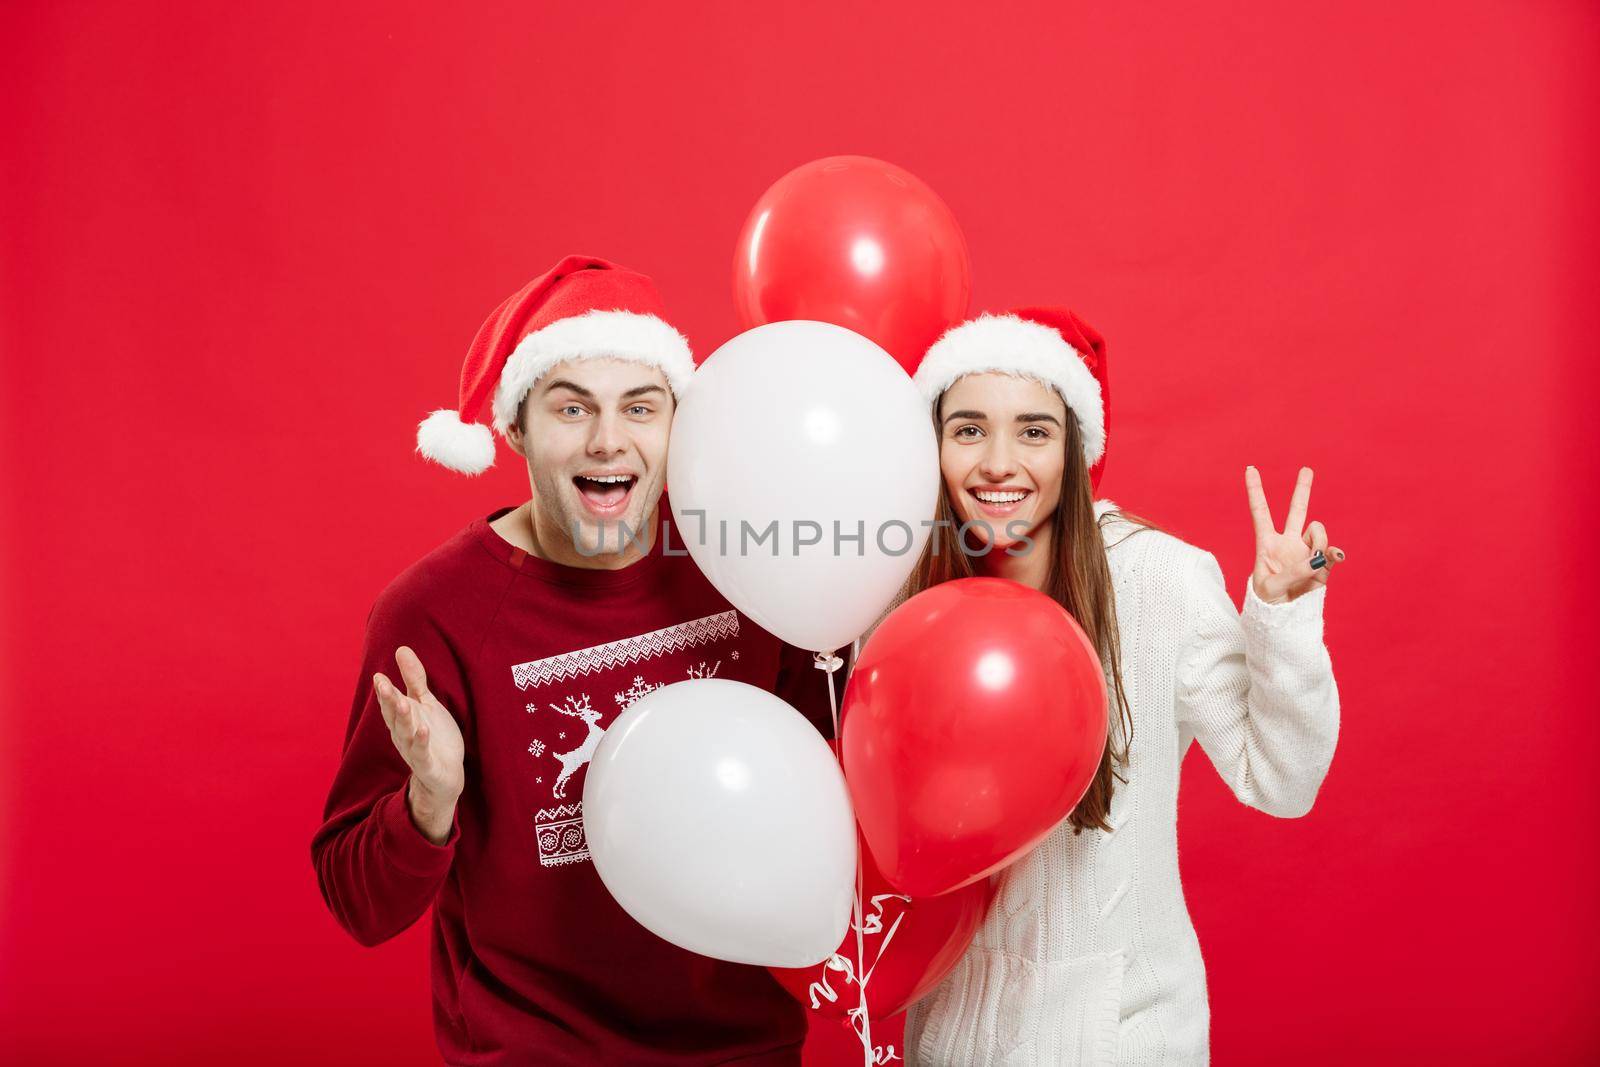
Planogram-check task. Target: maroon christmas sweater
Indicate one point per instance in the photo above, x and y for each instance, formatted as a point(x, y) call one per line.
point(532, 960)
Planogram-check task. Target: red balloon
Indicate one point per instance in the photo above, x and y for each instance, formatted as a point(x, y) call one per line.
point(859, 243)
point(909, 944)
point(972, 724)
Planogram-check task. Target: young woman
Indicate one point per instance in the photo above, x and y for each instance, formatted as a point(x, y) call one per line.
point(1088, 955)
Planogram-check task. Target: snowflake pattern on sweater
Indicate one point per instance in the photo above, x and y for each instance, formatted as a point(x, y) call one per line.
point(558, 829)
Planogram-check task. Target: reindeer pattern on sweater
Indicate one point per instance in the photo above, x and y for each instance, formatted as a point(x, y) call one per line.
point(577, 698)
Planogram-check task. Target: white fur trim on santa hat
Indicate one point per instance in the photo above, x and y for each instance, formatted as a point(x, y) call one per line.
point(467, 447)
point(1009, 344)
point(626, 335)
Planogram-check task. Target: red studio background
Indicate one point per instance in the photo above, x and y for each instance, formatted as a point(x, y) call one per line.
point(244, 251)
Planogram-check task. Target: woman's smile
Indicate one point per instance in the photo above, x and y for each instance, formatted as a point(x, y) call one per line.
point(999, 501)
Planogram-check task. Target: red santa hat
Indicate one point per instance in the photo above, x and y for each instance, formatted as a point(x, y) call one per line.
point(582, 308)
point(1049, 345)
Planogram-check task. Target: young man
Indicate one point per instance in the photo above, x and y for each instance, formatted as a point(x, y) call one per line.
point(518, 642)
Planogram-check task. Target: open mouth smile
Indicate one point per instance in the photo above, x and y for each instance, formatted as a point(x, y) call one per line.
point(605, 495)
point(998, 501)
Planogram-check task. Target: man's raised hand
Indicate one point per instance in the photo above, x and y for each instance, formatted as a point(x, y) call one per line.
point(428, 739)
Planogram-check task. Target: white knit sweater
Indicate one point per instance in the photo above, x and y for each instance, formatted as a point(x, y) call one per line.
point(1088, 955)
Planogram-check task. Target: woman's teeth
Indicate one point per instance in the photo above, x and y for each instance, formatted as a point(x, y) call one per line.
point(998, 498)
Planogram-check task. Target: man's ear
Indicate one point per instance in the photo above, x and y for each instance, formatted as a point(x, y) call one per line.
point(514, 439)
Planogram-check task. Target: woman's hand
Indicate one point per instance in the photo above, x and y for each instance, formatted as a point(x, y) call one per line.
point(1283, 569)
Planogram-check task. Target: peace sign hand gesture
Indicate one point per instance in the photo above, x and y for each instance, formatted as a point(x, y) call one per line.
point(1287, 563)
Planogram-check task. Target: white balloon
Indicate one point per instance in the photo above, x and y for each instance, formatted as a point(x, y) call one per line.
point(719, 819)
point(814, 428)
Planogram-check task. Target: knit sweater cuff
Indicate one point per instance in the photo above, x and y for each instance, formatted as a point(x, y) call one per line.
point(404, 844)
point(1304, 610)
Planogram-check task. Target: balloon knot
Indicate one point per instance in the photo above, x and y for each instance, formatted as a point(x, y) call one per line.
point(827, 661)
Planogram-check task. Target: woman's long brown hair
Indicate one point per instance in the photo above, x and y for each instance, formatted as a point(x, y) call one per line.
point(1079, 579)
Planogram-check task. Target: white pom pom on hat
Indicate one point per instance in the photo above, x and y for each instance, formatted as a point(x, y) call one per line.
point(467, 447)
point(581, 308)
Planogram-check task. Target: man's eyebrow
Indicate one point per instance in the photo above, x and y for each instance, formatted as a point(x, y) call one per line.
point(562, 383)
point(1038, 416)
point(641, 390)
point(965, 413)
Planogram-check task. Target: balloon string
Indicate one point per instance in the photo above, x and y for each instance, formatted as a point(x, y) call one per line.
point(887, 937)
point(829, 663)
point(861, 974)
